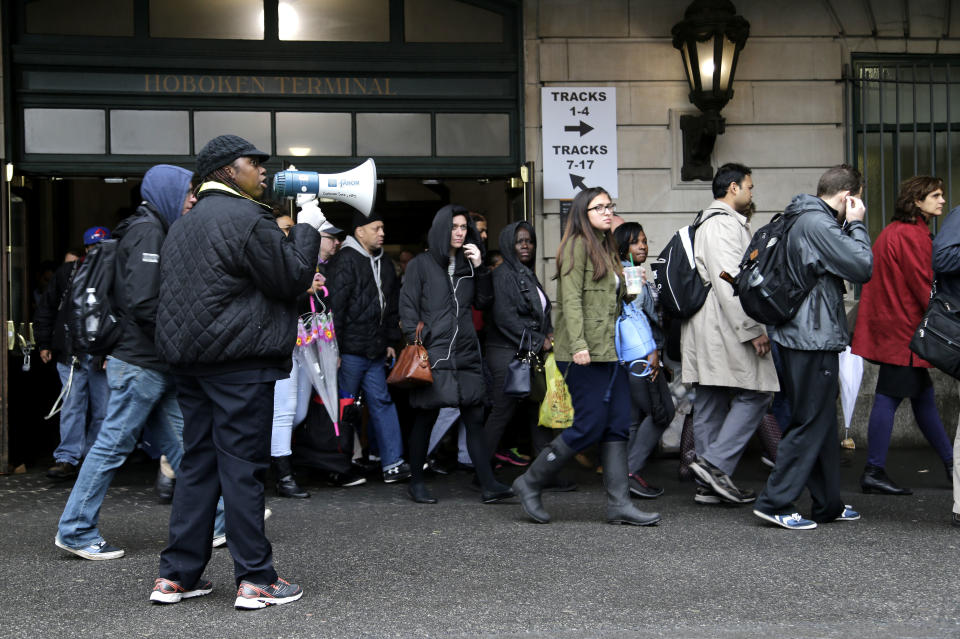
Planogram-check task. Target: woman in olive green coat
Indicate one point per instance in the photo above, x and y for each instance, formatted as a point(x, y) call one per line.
point(589, 298)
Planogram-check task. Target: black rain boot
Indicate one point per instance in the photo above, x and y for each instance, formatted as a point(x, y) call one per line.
point(286, 484)
point(540, 473)
point(419, 493)
point(874, 480)
point(620, 509)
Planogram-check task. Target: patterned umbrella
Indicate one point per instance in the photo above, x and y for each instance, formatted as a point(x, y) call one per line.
point(318, 354)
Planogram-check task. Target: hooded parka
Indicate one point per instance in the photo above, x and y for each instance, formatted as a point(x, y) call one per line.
point(442, 303)
point(517, 305)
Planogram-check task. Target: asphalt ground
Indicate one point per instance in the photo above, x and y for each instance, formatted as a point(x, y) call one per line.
point(373, 564)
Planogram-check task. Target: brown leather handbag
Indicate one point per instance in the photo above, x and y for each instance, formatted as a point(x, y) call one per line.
point(413, 366)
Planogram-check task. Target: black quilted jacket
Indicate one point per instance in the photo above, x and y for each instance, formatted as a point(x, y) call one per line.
point(364, 326)
point(229, 283)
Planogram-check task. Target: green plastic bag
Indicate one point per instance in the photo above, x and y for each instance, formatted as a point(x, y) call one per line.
point(556, 410)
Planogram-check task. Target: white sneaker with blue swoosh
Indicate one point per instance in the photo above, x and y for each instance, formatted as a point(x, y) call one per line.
point(791, 522)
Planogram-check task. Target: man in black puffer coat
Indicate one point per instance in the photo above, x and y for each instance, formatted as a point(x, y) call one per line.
point(363, 294)
point(226, 325)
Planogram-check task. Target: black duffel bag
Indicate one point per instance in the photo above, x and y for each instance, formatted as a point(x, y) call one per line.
point(316, 443)
point(937, 338)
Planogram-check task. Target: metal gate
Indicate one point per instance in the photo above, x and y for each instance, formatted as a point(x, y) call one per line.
point(905, 115)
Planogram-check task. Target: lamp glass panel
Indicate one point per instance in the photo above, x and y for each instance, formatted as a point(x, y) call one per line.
point(686, 60)
point(705, 61)
point(726, 63)
point(334, 20)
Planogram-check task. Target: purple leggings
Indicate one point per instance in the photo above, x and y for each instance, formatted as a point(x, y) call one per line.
point(928, 420)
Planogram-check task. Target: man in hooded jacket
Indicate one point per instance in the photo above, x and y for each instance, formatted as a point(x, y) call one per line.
point(363, 294)
point(142, 392)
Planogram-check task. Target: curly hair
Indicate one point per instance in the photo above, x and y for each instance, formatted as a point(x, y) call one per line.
point(913, 190)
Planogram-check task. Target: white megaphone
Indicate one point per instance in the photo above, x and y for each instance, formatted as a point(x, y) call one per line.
point(356, 187)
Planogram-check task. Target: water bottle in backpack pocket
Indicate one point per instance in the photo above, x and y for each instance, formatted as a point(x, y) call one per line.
point(95, 327)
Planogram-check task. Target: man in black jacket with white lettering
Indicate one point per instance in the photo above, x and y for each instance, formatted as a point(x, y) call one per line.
point(226, 325)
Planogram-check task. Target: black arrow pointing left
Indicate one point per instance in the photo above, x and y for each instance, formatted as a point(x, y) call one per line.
point(583, 128)
point(577, 182)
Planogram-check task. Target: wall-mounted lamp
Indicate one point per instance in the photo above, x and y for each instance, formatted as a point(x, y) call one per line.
point(709, 38)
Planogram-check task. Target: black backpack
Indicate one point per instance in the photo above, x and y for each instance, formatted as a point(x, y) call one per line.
point(682, 292)
point(94, 325)
point(767, 292)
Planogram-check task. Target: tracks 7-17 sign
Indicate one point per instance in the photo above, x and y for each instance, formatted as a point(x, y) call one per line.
point(579, 140)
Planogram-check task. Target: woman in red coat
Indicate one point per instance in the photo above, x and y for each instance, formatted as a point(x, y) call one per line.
point(891, 306)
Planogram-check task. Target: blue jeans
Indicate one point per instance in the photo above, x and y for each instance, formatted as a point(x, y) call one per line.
point(358, 372)
point(88, 392)
point(291, 399)
point(139, 398)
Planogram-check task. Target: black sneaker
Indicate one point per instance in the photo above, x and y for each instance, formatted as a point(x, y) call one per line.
point(640, 487)
point(163, 487)
point(252, 596)
point(62, 470)
point(168, 592)
point(705, 495)
point(345, 479)
point(401, 472)
point(721, 483)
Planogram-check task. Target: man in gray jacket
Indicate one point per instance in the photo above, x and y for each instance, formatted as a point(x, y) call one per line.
point(826, 250)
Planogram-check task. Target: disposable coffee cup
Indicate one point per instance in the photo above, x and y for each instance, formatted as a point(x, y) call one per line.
point(634, 279)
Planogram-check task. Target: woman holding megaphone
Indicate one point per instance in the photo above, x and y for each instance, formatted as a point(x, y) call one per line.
point(439, 288)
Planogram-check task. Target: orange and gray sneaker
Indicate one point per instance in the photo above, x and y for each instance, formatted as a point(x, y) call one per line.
point(251, 596)
point(166, 591)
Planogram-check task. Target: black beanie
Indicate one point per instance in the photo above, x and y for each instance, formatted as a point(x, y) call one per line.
point(224, 149)
point(359, 219)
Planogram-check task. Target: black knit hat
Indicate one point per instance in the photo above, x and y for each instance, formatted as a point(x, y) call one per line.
point(224, 149)
point(359, 219)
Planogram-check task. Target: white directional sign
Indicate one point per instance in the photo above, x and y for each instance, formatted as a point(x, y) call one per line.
point(579, 140)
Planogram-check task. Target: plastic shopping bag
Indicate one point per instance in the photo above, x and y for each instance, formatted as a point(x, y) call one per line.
point(556, 410)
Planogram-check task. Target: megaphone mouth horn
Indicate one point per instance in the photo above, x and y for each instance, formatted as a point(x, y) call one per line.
point(356, 187)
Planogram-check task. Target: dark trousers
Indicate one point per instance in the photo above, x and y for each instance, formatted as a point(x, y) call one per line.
point(226, 442)
point(506, 408)
point(809, 452)
point(600, 394)
point(472, 418)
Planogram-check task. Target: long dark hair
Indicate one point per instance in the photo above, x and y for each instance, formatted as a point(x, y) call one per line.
point(913, 190)
point(578, 226)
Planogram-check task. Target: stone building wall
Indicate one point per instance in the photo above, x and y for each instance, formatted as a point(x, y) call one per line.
point(787, 119)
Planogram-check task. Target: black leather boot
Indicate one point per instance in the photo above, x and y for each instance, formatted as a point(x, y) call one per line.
point(874, 480)
point(286, 485)
point(541, 472)
point(419, 493)
point(620, 509)
point(164, 487)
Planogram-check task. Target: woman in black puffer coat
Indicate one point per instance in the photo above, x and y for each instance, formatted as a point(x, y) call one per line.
point(521, 311)
point(439, 288)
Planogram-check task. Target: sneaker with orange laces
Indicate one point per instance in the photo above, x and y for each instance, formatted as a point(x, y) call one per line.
point(166, 591)
point(251, 596)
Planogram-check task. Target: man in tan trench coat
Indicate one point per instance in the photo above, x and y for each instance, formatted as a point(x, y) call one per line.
point(725, 352)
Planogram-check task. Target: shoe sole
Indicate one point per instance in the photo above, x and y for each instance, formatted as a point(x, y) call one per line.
point(497, 499)
point(773, 520)
point(394, 480)
point(256, 603)
point(871, 491)
point(218, 541)
point(350, 484)
point(707, 499)
point(704, 475)
point(103, 556)
point(627, 522)
point(175, 597)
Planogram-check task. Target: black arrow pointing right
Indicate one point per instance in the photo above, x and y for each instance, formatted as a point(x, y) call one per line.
point(577, 182)
point(583, 128)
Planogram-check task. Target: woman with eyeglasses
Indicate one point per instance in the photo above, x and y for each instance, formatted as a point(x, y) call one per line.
point(589, 293)
point(520, 323)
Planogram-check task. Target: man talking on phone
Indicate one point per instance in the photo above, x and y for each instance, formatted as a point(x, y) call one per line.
point(827, 244)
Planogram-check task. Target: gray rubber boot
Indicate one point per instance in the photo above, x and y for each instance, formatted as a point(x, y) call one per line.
point(541, 471)
point(620, 509)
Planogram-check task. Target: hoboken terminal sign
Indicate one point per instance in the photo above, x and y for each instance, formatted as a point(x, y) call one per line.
point(183, 84)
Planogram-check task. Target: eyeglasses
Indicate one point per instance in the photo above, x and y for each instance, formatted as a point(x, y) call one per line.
point(599, 208)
